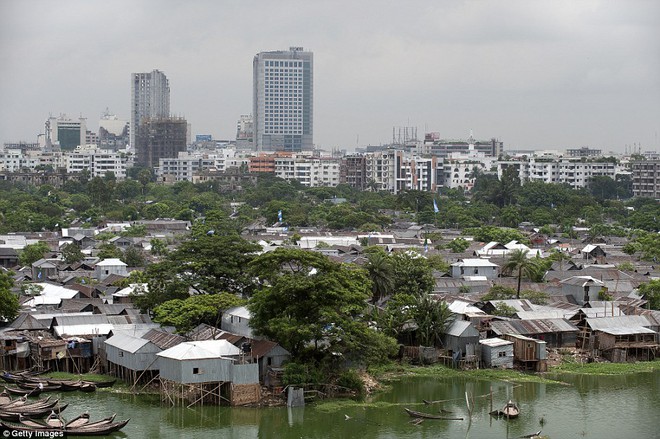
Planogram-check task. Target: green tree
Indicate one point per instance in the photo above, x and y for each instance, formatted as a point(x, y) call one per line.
point(305, 298)
point(503, 310)
point(499, 292)
point(109, 251)
point(163, 284)
point(186, 314)
point(133, 257)
point(9, 305)
point(651, 292)
point(158, 246)
point(517, 262)
point(432, 318)
point(71, 253)
point(412, 274)
point(33, 252)
point(379, 268)
point(458, 245)
point(216, 257)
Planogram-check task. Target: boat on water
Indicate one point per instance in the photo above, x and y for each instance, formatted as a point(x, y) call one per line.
point(89, 429)
point(416, 414)
point(509, 411)
point(22, 392)
point(40, 412)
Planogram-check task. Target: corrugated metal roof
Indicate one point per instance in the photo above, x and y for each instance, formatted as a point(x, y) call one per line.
point(532, 327)
point(196, 350)
point(89, 319)
point(629, 330)
point(517, 304)
point(126, 342)
point(581, 281)
point(162, 339)
point(458, 327)
point(474, 262)
point(600, 323)
point(99, 329)
point(495, 342)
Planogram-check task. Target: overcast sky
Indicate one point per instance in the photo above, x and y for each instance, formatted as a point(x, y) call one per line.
point(535, 74)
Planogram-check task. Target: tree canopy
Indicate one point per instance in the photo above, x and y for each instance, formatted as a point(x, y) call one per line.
point(306, 301)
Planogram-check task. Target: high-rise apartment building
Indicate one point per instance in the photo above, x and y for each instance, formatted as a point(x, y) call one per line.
point(283, 85)
point(150, 98)
point(159, 138)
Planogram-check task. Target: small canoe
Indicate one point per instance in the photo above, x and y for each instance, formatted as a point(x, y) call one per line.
point(23, 392)
point(87, 388)
point(78, 421)
point(43, 387)
point(509, 411)
point(415, 414)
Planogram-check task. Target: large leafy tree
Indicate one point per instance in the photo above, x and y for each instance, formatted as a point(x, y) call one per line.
point(185, 314)
point(215, 258)
point(651, 292)
point(9, 305)
point(519, 264)
point(33, 252)
point(307, 299)
point(412, 274)
point(163, 284)
point(71, 253)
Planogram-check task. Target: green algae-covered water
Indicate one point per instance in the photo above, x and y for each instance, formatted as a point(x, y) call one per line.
point(585, 406)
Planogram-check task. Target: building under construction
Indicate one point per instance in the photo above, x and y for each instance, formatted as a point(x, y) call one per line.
point(158, 138)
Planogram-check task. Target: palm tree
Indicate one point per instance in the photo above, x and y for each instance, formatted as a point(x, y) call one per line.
point(432, 317)
point(520, 263)
point(381, 275)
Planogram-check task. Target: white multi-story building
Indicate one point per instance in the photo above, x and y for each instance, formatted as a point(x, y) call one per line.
point(186, 164)
point(575, 173)
point(283, 100)
point(15, 160)
point(150, 98)
point(98, 162)
point(66, 132)
point(309, 171)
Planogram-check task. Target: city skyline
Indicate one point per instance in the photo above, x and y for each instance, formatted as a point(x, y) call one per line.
point(536, 75)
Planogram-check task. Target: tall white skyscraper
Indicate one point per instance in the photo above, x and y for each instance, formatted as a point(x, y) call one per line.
point(283, 100)
point(150, 98)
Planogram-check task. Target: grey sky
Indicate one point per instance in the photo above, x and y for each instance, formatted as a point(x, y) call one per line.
point(536, 74)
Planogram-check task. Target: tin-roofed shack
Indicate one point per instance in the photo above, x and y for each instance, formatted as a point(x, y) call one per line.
point(208, 372)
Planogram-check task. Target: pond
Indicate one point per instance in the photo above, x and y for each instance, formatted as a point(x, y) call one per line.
point(624, 406)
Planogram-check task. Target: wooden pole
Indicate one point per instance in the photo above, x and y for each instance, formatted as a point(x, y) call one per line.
point(491, 399)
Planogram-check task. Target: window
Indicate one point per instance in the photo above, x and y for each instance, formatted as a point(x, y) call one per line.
point(196, 371)
point(501, 354)
point(121, 354)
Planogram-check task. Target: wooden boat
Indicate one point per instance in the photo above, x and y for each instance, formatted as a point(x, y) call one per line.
point(35, 413)
point(415, 414)
point(24, 402)
point(23, 392)
point(83, 430)
point(531, 436)
point(102, 384)
point(65, 386)
point(87, 388)
point(5, 397)
point(10, 377)
point(510, 410)
point(78, 421)
point(41, 386)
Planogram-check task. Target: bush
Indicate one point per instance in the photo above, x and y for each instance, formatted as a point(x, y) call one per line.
point(350, 379)
point(295, 374)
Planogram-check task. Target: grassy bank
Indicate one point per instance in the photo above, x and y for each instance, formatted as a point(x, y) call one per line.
point(606, 368)
point(119, 386)
point(395, 371)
